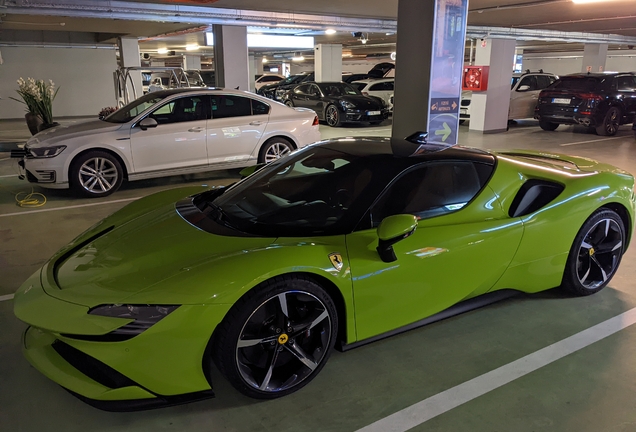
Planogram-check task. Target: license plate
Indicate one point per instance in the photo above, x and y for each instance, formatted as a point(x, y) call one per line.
point(561, 101)
point(374, 113)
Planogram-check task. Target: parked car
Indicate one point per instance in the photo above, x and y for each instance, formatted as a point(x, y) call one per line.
point(275, 91)
point(340, 244)
point(167, 133)
point(600, 101)
point(349, 78)
point(337, 103)
point(524, 92)
point(382, 88)
point(268, 79)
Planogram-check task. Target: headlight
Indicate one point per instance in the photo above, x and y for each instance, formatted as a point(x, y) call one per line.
point(46, 152)
point(145, 316)
point(347, 105)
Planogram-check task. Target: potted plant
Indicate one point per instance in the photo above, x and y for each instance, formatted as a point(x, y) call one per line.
point(105, 112)
point(27, 90)
point(46, 93)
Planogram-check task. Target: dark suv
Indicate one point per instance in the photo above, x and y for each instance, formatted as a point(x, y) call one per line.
point(601, 101)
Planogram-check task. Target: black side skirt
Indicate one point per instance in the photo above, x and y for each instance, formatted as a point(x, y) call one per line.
point(144, 404)
point(459, 308)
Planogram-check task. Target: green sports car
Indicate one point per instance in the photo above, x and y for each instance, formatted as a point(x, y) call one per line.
point(336, 245)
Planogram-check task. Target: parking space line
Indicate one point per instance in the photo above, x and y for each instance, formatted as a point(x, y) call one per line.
point(8, 175)
point(68, 207)
point(6, 297)
point(445, 401)
point(591, 141)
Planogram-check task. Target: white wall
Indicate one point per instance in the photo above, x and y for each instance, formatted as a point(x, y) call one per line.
point(84, 76)
point(569, 63)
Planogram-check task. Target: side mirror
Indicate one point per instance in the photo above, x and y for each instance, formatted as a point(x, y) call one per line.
point(246, 172)
point(392, 230)
point(148, 122)
point(523, 88)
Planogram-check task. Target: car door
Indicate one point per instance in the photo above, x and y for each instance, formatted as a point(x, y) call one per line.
point(626, 86)
point(314, 98)
point(524, 97)
point(463, 243)
point(236, 127)
point(178, 141)
point(300, 96)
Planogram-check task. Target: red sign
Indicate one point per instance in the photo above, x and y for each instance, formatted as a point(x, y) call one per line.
point(475, 78)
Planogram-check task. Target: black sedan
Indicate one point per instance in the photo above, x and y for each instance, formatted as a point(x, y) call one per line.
point(277, 90)
point(337, 103)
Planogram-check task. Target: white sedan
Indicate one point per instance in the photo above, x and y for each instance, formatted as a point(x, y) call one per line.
point(165, 133)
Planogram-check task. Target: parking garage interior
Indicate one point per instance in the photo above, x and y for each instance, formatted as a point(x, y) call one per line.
point(533, 362)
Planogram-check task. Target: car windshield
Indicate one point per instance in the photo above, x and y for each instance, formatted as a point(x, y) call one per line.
point(316, 191)
point(133, 109)
point(582, 83)
point(291, 79)
point(338, 89)
point(515, 80)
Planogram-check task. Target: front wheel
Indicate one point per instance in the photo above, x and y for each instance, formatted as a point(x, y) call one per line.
point(275, 149)
point(333, 116)
point(95, 174)
point(548, 126)
point(610, 124)
point(595, 254)
point(277, 338)
point(289, 103)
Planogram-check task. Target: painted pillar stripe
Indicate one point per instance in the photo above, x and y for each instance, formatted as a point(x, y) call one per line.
point(445, 401)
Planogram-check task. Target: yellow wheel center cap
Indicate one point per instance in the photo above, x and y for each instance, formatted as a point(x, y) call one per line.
point(282, 339)
point(592, 251)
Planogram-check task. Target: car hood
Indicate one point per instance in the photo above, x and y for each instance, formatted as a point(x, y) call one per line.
point(363, 102)
point(121, 261)
point(65, 132)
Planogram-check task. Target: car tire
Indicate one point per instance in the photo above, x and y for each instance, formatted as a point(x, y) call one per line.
point(276, 338)
point(375, 123)
point(289, 103)
point(611, 122)
point(332, 115)
point(95, 174)
point(548, 126)
point(596, 253)
point(274, 149)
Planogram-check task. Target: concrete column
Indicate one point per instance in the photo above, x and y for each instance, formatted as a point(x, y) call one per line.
point(252, 71)
point(259, 66)
point(594, 57)
point(191, 62)
point(489, 109)
point(129, 57)
point(231, 57)
point(328, 62)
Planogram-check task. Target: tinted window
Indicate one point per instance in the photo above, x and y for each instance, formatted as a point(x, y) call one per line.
point(133, 109)
point(259, 107)
point(543, 81)
point(513, 82)
point(626, 83)
point(431, 190)
point(530, 81)
point(224, 106)
point(302, 89)
point(385, 86)
point(190, 108)
point(269, 78)
point(582, 83)
point(359, 86)
point(338, 89)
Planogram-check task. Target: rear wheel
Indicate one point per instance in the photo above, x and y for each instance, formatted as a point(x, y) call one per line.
point(289, 103)
point(595, 254)
point(277, 338)
point(274, 149)
point(610, 124)
point(333, 116)
point(95, 174)
point(548, 126)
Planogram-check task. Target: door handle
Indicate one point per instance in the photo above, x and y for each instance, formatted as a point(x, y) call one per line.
point(256, 123)
point(195, 129)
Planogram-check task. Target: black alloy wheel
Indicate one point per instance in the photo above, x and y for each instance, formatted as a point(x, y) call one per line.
point(610, 124)
point(289, 103)
point(595, 254)
point(332, 116)
point(277, 338)
point(548, 126)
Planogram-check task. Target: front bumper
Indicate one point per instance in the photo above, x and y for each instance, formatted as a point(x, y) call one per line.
point(44, 174)
point(163, 365)
point(353, 115)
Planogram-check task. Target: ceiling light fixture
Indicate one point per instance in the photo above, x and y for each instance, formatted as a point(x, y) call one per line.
point(589, 1)
point(298, 58)
point(330, 31)
point(192, 47)
point(162, 51)
point(265, 60)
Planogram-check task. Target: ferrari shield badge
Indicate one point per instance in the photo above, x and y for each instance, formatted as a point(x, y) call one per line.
point(336, 260)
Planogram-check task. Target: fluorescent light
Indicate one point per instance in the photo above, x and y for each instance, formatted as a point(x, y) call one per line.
point(271, 41)
point(330, 31)
point(589, 1)
point(298, 58)
point(162, 51)
point(265, 60)
point(192, 47)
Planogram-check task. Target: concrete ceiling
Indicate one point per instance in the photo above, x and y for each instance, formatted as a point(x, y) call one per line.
point(606, 17)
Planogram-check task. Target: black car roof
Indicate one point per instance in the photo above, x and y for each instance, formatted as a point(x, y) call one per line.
point(407, 152)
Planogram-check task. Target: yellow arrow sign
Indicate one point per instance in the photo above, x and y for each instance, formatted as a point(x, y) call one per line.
point(445, 131)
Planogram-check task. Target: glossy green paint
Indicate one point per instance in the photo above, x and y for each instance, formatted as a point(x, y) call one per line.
point(396, 226)
point(152, 256)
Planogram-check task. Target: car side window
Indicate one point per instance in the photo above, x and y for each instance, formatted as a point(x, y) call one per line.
point(224, 106)
point(530, 81)
point(313, 90)
point(626, 83)
point(270, 78)
point(302, 89)
point(543, 81)
point(259, 108)
point(185, 109)
point(431, 189)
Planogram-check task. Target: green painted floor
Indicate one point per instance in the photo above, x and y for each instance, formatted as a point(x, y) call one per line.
point(590, 390)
